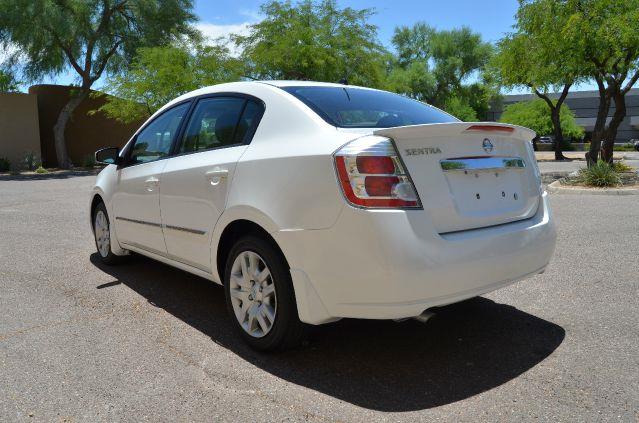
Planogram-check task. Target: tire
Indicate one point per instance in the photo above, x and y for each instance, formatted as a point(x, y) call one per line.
point(260, 297)
point(99, 234)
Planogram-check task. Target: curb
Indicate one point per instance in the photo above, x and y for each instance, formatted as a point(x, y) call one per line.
point(557, 188)
point(56, 174)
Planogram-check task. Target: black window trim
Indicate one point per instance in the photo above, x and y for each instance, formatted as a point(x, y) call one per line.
point(126, 156)
point(177, 138)
point(249, 133)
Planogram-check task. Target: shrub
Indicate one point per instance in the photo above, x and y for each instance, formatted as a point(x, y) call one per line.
point(88, 160)
point(40, 169)
point(30, 161)
point(600, 174)
point(624, 147)
point(5, 164)
point(621, 166)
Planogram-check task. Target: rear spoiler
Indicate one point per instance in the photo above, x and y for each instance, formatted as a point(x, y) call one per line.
point(457, 128)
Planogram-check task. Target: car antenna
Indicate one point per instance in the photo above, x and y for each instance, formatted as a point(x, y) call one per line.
point(343, 81)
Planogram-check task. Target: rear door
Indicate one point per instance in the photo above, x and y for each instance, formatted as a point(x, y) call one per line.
point(136, 201)
point(470, 175)
point(195, 182)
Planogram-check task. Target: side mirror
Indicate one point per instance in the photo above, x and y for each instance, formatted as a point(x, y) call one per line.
point(109, 155)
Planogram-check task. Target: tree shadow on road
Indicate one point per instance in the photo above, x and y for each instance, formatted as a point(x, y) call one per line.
point(466, 349)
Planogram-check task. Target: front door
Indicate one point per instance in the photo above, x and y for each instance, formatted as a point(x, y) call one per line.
point(195, 182)
point(136, 202)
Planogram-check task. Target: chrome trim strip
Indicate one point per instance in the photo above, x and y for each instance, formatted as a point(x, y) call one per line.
point(141, 222)
point(191, 231)
point(482, 163)
point(158, 225)
point(167, 256)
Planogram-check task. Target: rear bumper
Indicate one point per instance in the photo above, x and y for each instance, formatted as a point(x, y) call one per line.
point(389, 264)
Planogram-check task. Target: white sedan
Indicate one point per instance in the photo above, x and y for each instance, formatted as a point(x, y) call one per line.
point(312, 202)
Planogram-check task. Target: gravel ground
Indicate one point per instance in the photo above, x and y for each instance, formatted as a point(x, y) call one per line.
point(145, 342)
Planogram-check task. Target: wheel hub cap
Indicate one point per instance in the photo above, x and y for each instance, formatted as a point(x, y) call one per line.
point(253, 294)
point(102, 234)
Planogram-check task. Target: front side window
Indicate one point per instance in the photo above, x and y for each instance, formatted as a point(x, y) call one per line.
point(348, 107)
point(154, 141)
point(213, 124)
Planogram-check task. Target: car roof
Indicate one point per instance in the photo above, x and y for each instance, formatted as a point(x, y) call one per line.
point(285, 83)
point(242, 86)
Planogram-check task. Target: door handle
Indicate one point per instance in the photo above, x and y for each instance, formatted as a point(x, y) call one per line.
point(215, 176)
point(151, 183)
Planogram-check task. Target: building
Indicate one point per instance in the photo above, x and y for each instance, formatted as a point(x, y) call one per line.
point(585, 104)
point(27, 120)
point(19, 127)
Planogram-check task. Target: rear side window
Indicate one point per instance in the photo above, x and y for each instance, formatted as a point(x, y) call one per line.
point(220, 122)
point(248, 122)
point(348, 107)
point(212, 124)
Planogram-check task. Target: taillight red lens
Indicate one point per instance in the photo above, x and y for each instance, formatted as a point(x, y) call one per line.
point(380, 186)
point(371, 175)
point(379, 165)
point(491, 128)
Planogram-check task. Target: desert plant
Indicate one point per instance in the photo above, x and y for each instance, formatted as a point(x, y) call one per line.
point(600, 174)
point(622, 166)
point(40, 169)
point(30, 161)
point(5, 164)
point(88, 160)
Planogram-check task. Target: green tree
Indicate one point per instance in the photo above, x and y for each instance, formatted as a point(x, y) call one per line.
point(90, 37)
point(443, 68)
point(159, 74)
point(605, 33)
point(314, 40)
point(536, 115)
point(8, 82)
point(460, 109)
point(536, 57)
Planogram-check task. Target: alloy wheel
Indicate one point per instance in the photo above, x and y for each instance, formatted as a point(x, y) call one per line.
point(253, 294)
point(102, 234)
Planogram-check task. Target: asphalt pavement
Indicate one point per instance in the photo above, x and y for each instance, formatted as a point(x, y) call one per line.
point(144, 342)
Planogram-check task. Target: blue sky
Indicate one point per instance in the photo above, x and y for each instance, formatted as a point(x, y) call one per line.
point(492, 19)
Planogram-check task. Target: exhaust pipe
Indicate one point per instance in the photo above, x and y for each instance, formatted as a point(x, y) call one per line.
point(423, 318)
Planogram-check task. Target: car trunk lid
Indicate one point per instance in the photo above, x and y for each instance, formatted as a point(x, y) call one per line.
point(470, 175)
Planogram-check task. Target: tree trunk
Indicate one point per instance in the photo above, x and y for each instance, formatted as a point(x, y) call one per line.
point(555, 117)
point(600, 124)
point(60, 126)
point(613, 126)
point(559, 136)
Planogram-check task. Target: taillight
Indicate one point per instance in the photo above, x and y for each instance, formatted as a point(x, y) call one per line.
point(491, 128)
point(371, 174)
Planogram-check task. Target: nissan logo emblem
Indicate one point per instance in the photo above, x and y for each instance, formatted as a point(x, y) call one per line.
point(487, 145)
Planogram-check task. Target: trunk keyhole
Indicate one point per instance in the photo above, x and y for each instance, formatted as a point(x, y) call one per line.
point(477, 195)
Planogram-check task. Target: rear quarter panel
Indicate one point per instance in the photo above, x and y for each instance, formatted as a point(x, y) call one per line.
point(287, 172)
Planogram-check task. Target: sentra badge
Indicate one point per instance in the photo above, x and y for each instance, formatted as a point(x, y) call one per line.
point(423, 151)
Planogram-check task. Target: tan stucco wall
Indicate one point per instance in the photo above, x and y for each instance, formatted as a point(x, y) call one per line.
point(19, 126)
point(85, 133)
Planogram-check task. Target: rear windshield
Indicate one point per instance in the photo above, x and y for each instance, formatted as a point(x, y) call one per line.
point(347, 107)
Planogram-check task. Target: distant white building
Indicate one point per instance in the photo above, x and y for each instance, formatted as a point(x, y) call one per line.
point(585, 105)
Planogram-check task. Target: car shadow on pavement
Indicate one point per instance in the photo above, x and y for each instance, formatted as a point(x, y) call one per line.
point(466, 349)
